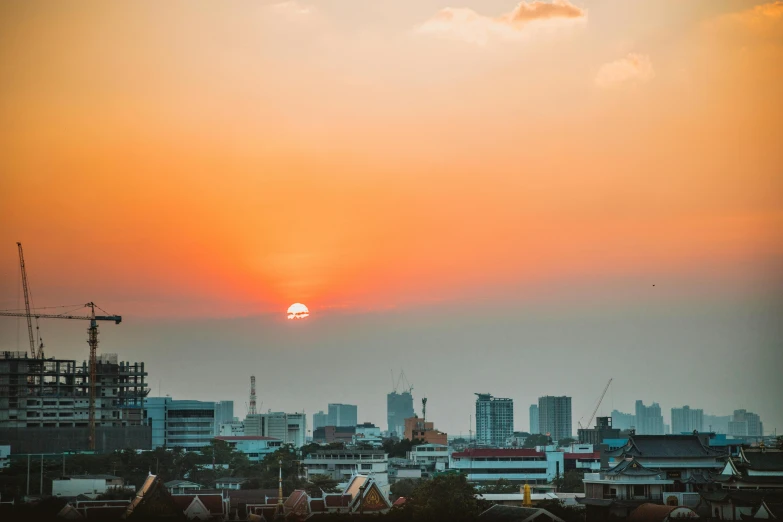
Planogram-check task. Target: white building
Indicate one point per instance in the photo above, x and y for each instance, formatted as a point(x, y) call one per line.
point(341, 465)
point(431, 455)
point(89, 485)
point(180, 424)
point(516, 465)
point(256, 448)
point(233, 428)
point(291, 428)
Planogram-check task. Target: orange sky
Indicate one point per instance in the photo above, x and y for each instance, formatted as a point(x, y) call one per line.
point(193, 158)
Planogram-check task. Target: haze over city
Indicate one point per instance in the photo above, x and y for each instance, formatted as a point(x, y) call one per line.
point(516, 201)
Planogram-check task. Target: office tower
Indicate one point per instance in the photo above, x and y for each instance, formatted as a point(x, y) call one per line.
point(687, 420)
point(180, 424)
point(623, 421)
point(341, 415)
point(494, 420)
point(534, 419)
point(224, 413)
point(745, 423)
point(399, 406)
point(320, 420)
point(554, 416)
point(291, 428)
point(649, 420)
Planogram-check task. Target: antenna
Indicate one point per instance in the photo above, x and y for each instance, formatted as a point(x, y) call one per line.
point(252, 410)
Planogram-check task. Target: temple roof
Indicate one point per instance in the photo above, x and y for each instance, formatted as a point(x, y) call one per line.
point(763, 460)
point(633, 468)
point(502, 513)
point(666, 446)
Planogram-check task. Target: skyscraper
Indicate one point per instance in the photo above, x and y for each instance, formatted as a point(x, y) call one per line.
point(342, 415)
point(534, 419)
point(320, 420)
point(399, 406)
point(649, 420)
point(686, 420)
point(745, 423)
point(494, 420)
point(224, 412)
point(623, 421)
point(554, 416)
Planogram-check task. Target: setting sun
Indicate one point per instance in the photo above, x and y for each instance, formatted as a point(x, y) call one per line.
point(298, 311)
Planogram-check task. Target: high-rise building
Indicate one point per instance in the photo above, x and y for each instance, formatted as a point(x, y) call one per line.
point(224, 414)
point(716, 423)
point(554, 416)
point(320, 420)
point(623, 421)
point(342, 415)
point(649, 420)
point(745, 423)
point(534, 419)
point(291, 428)
point(399, 406)
point(494, 420)
point(687, 420)
point(180, 424)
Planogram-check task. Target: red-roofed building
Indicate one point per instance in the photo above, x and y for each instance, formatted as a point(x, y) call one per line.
point(212, 506)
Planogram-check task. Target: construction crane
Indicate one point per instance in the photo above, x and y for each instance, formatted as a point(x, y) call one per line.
point(92, 341)
point(600, 400)
point(39, 354)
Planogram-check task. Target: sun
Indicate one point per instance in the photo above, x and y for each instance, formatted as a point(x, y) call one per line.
point(298, 311)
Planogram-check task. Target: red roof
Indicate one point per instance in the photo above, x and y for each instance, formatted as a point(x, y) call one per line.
point(400, 501)
point(245, 437)
point(214, 503)
point(338, 500)
point(317, 506)
point(524, 452)
point(580, 456)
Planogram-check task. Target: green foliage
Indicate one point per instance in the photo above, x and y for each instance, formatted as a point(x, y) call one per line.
point(567, 441)
point(400, 448)
point(571, 482)
point(501, 486)
point(537, 440)
point(319, 483)
point(557, 508)
point(446, 497)
point(404, 487)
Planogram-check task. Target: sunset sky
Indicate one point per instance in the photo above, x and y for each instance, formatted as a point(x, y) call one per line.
point(478, 191)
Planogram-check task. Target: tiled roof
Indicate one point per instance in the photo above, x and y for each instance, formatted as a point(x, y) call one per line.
point(178, 482)
point(502, 513)
point(522, 452)
point(317, 505)
point(632, 468)
point(338, 500)
point(214, 503)
point(667, 446)
point(767, 460)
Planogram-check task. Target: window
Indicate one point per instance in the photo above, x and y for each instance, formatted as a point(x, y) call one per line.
point(638, 490)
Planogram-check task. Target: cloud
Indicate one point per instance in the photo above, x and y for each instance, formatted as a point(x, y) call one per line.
point(291, 8)
point(762, 21)
point(634, 68)
point(467, 25)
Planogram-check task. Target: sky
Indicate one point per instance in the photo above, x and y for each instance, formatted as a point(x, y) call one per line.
point(510, 198)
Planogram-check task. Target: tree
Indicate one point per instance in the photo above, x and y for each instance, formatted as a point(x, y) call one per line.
point(557, 508)
point(571, 482)
point(319, 483)
point(537, 440)
point(500, 486)
point(404, 487)
point(567, 441)
point(445, 497)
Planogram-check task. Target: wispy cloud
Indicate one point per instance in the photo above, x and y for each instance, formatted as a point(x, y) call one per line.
point(634, 68)
point(761, 21)
point(466, 24)
point(291, 7)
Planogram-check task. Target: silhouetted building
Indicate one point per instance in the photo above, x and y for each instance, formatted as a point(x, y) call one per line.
point(603, 430)
point(342, 415)
point(320, 420)
point(399, 406)
point(494, 420)
point(534, 419)
point(649, 420)
point(623, 421)
point(687, 420)
point(746, 424)
point(554, 416)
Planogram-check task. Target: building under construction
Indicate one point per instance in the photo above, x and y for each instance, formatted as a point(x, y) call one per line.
point(37, 395)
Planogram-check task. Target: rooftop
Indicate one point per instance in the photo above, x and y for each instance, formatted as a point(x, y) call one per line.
point(490, 452)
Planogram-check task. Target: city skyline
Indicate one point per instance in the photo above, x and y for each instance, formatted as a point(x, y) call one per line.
point(519, 207)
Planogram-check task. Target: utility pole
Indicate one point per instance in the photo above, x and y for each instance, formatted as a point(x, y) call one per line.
point(28, 474)
point(41, 490)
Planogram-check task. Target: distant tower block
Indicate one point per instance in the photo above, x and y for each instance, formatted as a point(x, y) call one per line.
point(252, 409)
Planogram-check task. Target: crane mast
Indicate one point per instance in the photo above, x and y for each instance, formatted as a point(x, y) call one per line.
point(29, 316)
point(589, 423)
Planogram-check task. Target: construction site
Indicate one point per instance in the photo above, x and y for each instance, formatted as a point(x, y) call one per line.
point(50, 405)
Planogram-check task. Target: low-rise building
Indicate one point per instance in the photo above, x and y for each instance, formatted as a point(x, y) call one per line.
point(329, 434)
point(88, 485)
point(291, 428)
point(341, 465)
point(433, 457)
point(517, 439)
point(234, 428)
point(516, 465)
point(416, 428)
point(229, 482)
point(181, 487)
point(5, 456)
point(180, 423)
point(256, 448)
